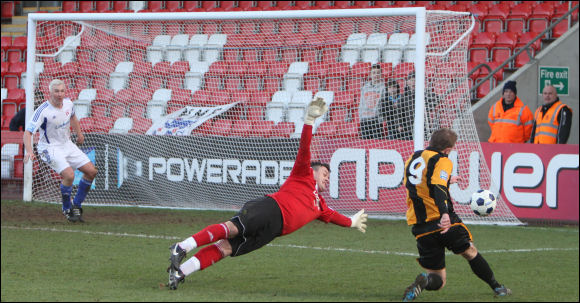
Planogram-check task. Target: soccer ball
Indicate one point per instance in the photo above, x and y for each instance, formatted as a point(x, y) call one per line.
point(483, 202)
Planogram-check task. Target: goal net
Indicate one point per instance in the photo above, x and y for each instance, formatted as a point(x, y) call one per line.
point(205, 110)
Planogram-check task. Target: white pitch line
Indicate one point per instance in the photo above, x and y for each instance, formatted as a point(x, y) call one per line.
point(335, 249)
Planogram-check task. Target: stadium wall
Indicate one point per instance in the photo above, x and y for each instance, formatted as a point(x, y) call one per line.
point(563, 53)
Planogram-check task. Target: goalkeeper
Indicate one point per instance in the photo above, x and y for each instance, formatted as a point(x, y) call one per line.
point(263, 219)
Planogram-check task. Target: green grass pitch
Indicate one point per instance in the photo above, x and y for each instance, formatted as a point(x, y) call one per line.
point(121, 254)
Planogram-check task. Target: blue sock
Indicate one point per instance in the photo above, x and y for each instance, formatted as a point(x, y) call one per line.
point(66, 192)
point(82, 191)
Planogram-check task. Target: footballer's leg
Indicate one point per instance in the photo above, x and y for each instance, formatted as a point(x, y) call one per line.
point(67, 175)
point(482, 270)
point(206, 257)
point(432, 259)
point(207, 235)
point(89, 173)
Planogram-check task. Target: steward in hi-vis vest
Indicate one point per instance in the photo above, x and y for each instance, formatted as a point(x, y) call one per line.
point(552, 121)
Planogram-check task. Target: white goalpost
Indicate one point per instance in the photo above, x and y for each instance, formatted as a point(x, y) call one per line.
point(204, 110)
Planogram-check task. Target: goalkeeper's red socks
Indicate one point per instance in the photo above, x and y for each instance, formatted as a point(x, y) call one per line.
point(206, 257)
point(210, 234)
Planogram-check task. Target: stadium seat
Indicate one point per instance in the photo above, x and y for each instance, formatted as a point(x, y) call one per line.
point(373, 48)
point(141, 125)
point(503, 46)
point(283, 130)
point(86, 7)
point(69, 6)
point(173, 51)
point(494, 21)
point(262, 128)
point(350, 52)
point(293, 78)
point(118, 79)
point(103, 6)
point(221, 127)
point(241, 128)
point(20, 43)
point(326, 129)
point(157, 48)
point(479, 49)
point(517, 19)
point(122, 126)
point(409, 48)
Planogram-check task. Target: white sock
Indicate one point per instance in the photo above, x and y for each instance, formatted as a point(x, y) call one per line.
point(188, 244)
point(190, 266)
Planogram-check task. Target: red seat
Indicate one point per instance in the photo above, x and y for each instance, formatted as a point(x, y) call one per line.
point(103, 6)
point(517, 19)
point(241, 128)
point(221, 127)
point(347, 129)
point(98, 110)
point(15, 94)
point(262, 128)
point(541, 16)
point(69, 6)
point(16, 68)
point(339, 112)
point(9, 108)
point(117, 110)
point(13, 56)
point(311, 83)
point(527, 37)
point(360, 70)
point(326, 129)
point(479, 49)
point(494, 21)
point(20, 42)
point(141, 125)
point(6, 40)
point(253, 83)
point(86, 7)
point(283, 129)
point(504, 46)
point(137, 111)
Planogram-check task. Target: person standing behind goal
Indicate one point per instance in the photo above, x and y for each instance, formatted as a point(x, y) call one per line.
point(436, 226)
point(263, 219)
point(53, 119)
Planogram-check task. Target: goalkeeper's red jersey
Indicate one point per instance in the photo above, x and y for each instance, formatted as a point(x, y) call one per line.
point(298, 198)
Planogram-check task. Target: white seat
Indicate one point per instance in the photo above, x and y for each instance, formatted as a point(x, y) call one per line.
point(350, 52)
point(213, 49)
point(283, 97)
point(409, 52)
point(156, 107)
point(173, 51)
point(122, 126)
point(88, 94)
point(293, 78)
point(82, 110)
point(398, 40)
point(194, 78)
point(275, 111)
point(4, 93)
point(392, 56)
point(192, 52)
point(156, 50)
point(68, 53)
point(136, 5)
point(9, 150)
point(118, 79)
point(371, 51)
point(83, 104)
point(302, 97)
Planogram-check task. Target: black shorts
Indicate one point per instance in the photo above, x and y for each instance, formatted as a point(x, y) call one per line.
point(432, 245)
point(258, 222)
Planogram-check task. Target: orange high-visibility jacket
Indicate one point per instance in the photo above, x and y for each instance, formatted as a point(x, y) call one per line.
point(511, 126)
point(547, 125)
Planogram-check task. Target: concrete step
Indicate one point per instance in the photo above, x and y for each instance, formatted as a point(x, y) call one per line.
point(14, 28)
point(19, 20)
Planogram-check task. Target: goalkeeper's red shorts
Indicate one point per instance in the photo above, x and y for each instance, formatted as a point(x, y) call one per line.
point(258, 222)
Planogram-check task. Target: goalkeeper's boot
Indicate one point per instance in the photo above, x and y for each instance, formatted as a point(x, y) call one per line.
point(177, 255)
point(415, 289)
point(175, 277)
point(68, 214)
point(502, 291)
point(78, 213)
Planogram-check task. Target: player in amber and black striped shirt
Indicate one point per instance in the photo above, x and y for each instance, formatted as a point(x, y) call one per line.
point(263, 219)
point(435, 225)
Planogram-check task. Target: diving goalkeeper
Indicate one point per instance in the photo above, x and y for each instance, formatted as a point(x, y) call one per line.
point(261, 220)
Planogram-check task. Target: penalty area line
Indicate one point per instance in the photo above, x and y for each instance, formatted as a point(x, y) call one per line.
point(334, 249)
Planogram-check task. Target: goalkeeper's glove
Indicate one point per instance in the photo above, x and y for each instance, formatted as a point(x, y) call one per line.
point(315, 109)
point(358, 220)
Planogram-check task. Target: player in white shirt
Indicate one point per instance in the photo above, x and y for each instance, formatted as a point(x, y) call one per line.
point(53, 119)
